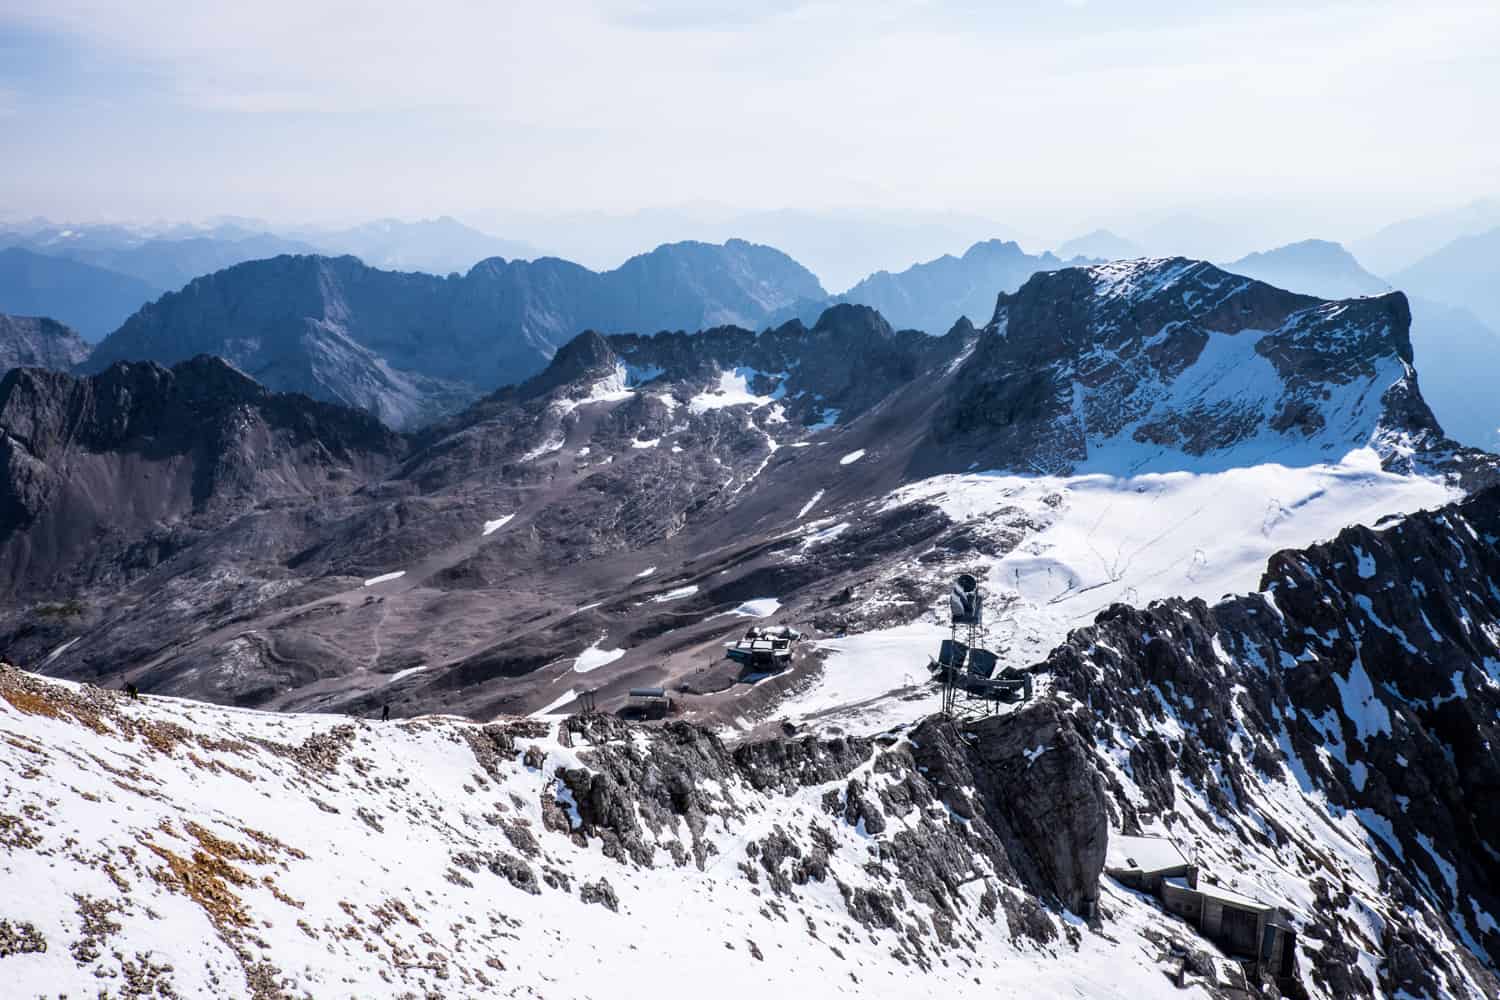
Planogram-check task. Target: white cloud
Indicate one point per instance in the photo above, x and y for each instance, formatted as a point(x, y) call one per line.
point(902, 103)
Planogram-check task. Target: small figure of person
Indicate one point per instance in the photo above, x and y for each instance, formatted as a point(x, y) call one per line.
point(385, 712)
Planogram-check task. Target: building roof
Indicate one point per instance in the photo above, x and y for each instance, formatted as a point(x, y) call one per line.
point(1222, 895)
point(1144, 854)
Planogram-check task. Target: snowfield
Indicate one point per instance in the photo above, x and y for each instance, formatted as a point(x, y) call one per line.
point(1096, 539)
point(593, 658)
point(232, 853)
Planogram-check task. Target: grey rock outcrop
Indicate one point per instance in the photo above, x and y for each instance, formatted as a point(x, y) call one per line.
point(412, 347)
point(1154, 365)
point(1365, 671)
point(93, 467)
point(38, 342)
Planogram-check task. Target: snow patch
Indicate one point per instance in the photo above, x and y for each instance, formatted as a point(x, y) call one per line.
point(490, 527)
point(385, 578)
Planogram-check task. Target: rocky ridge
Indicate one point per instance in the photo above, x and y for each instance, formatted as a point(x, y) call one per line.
point(633, 500)
point(1323, 745)
point(1168, 364)
point(411, 347)
point(1327, 743)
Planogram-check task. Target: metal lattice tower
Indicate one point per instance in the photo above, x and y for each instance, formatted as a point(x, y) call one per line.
point(967, 628)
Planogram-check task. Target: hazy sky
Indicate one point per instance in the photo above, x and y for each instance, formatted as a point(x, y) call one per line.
point(1051, 116)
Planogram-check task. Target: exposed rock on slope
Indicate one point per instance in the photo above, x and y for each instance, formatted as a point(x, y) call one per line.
point(192, 850)
point(1328, 743)
point(38, 342)
point(1325, 746)
point(1172, 363)
point(106, 476)
point(635, 502)
point(412, 347)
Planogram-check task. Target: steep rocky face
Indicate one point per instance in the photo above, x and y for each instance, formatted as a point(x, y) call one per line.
point(1168, 364)
point(38, 342)
point(411, 347)
point(111, 473)
point(1328, 743)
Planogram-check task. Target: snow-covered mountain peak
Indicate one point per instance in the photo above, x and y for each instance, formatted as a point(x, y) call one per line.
point(1168, 363)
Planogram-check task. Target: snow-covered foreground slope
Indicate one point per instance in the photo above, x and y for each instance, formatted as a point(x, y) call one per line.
point(201, 851)
point(1064, 548)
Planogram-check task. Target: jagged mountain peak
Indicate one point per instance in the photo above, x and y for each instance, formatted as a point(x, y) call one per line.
point(412, 347)
point(856, 322)
point(1126, 365)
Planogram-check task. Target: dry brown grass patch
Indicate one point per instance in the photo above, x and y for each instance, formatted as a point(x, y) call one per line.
point(204, 880)
point(31, 696)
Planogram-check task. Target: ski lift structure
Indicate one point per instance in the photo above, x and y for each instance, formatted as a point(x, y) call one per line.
point(765, 649)
point(964, 667)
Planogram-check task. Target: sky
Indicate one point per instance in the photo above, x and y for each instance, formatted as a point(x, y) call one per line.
point(1045, 118)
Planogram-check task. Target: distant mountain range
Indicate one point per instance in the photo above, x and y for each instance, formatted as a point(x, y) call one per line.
point(932, 296)
point(410, 347)
point(1401, 244)
point(1101, 244)
point(93, 278)
point(1313, 267)
point(1464, 273)
point(91, 300)
point(436, 246)
point(169, 262)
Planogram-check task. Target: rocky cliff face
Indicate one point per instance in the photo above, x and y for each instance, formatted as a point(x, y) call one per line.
point(1175, 364)
point(411, 347)
point(38, 342)
point(106, 475)
point(1327, 743)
